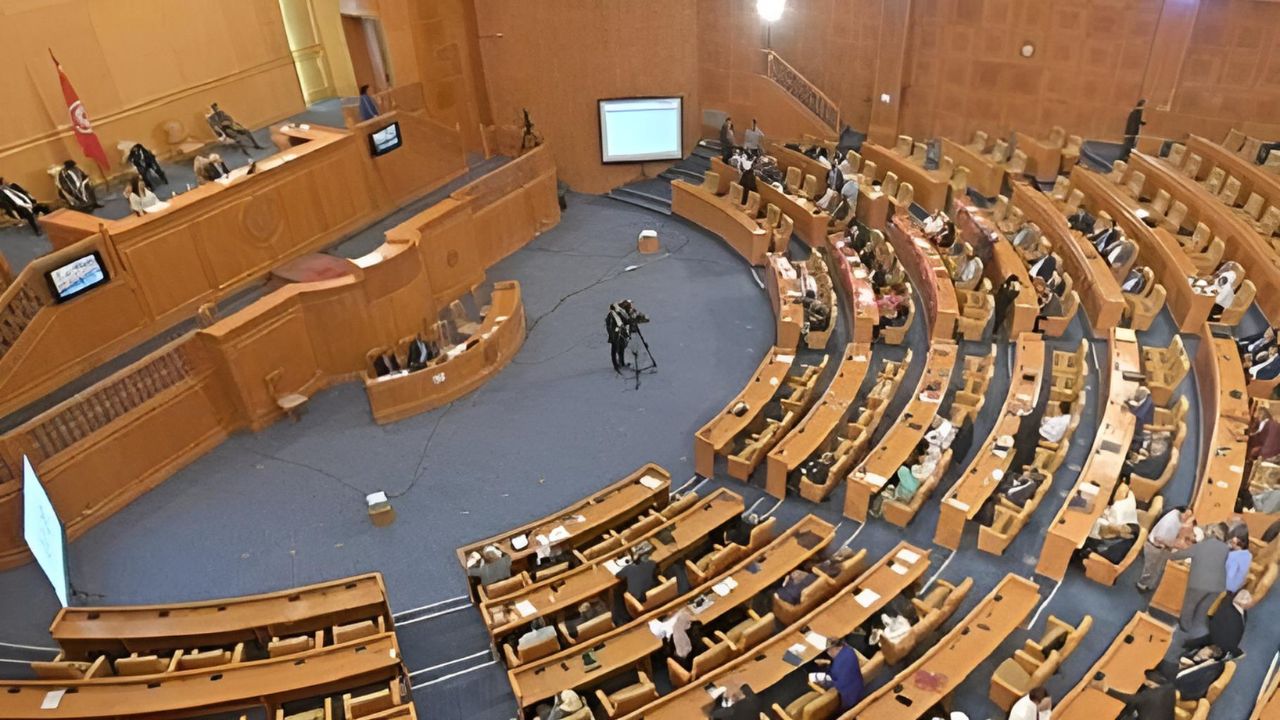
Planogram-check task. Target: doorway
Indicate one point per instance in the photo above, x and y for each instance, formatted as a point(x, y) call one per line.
point(368, 52)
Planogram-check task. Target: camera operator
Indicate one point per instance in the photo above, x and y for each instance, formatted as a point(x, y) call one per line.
point(619, 324)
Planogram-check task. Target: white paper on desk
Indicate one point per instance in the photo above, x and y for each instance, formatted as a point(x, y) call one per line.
point(224, 180)
point(874, 479)
point(716, 692)
point(724, 587)
point(784, 358)
point(1223, 484)
point(526, 608)
point(818, 641)
point(615, 566)
point(900, 569)
point(860, 358)
point(520, 542)
point(1236, 469)
point(957, 504)
point(867, 597)
point(558, 534)
point(908, 556)
point(799, 649)
point(157, 208)
point(651, 482)
point(53, 699)
point(660, 629)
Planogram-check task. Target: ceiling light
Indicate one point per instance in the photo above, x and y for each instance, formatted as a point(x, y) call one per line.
point(770, 10)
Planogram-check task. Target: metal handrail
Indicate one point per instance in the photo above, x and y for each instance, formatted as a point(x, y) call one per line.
point(799, 87)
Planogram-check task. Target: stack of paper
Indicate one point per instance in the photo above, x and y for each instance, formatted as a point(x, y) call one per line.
point(867, 597)
point(724, 587)
point(520, 542)
point(526, 608)
point(558, 534)
point(651, 482)
point(816, 640)
point(908, 556)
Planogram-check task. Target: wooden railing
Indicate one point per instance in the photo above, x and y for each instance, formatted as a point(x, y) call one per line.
point(19, 304)
point(799, 87)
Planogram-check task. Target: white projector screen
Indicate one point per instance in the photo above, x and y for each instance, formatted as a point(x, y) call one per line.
point(43, 531)
point(640, 129)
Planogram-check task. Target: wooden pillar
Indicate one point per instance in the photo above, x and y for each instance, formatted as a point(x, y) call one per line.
point(886, 94)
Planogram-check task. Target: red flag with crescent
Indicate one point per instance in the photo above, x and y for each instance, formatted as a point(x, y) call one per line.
point(80, 124)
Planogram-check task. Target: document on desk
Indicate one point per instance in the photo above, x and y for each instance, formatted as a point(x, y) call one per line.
point(558, 534)
point(52, 699)
point(520, 542)
point(867, 597)
point(724, 587)
point(818, 641)
point(615, 566)
point(908, 556)
point(526, 608)
point(651, 482)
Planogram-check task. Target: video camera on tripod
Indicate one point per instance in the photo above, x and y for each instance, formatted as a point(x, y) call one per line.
point(623, 325)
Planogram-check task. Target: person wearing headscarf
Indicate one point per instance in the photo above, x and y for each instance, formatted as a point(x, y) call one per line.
point(19, 204)
point(144, 161)
point(75, 189)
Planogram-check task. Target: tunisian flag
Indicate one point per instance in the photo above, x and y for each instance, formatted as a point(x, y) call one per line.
point(88, 139)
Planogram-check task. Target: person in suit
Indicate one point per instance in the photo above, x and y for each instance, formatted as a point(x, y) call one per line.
point(75, 189)
point(793, 586)
point(1251, 345)
point(488, 566)
point(1050, 305)
point(144, 161)
point(747, 179)
point(739, 702)
point(1120, 255)
point(1132, 127)
point(1195, 674)
point(1207, 578)
point(1149, 460)
point(1264, 441)
point(589, 610)
point(368, 106)
point(21, 205)
point(1112, 544)
point(726, 139)
point(640, 576)
point(1154, 700)
point(1226, 626)
point(1266, 366)
point(223, 125)
point(961, 443)
point(1143, 409)
point(208, 169)
point(1045, 267)
point(1135, 282)
point(1081, 221)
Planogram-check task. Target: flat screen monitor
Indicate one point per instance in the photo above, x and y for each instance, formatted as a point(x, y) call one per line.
point(77, 277)
point(641, 129)
point(43, 531)
point(385, 140)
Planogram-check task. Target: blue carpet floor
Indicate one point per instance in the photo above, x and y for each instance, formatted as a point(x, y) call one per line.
point(284, 507)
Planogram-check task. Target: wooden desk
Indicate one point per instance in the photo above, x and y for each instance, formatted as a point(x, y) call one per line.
point(930, 186)
point(1071, 526)
point(1242, 243)
point(566, 590)
point(898, 444)
point(825, 418)
point(1139, 647)
point(979, 481)
point(1268, 704)
point(788, 158)
point(716, 435)
point(986, 177)
point(715, 213)
point(1224, 427)
point(858, 291)
point(495, 344)
point(626, 647)
point(766, 665)
point(1253, 179)
point(643, 490)
point(785, 293)
point(954, 656)
point(873, 206)
point(809, 225)
point(1157, 248)
point(727, 174)
point(261, 683)
point(925, 268)
point(84, 632)
point(1000, 261)
point(1100, 294)
point(1043, 157)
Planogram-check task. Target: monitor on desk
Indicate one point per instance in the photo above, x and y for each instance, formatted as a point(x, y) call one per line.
point(385, 140)
point(77, 277)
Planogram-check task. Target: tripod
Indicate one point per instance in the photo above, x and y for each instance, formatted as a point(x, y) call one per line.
point(635, 354)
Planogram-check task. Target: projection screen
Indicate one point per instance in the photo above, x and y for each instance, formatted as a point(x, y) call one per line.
point(640, 129)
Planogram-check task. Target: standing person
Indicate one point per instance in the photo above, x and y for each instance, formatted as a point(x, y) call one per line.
point(368, 106)
point(753, 139)
point(1005, 297)
point(1035, 705)
point(21, 205)
point(726, 139)
point(144, 161)
point(75, 189)
point(1238, 560)
point(1132, 128)
point(618, 325)
point(747, 179)
point(1160, 545)
point(1207, 578)
point(1226, 626)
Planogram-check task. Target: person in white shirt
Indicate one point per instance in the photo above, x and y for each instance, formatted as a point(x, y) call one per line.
point(1054, 427)
point(1225, 295)
point(752, 138)
point(1035, 705)
point(140, 197)
point(942, 434)
point(1161, 542)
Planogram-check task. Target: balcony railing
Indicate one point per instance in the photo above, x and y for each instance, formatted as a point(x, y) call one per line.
point(802, 90)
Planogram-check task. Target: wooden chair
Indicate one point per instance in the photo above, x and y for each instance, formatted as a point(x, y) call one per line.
point(363, 706)
point(809, 190)
point(196, 660)
point(793, 180)
point(1234, 140)
point(979, 142)
point(661, 594)
point(324, 712)
point(1177, 152)
point(279, 647)
point(1148, 489)
point(1071, 153)
point(59, 669)
point(890, 184)
point(593, 628)
point(817, 704)
point(1253, 207)
point(1270, 220)
point(1141, 309)
point(1031, 666)
point(1061, 187)
point(711, 179)
point(1099, 570)
point(933, 609)
point(1191, 168)
point(357, 630)
point(1230, 191)
point(903, 146)
point(1240, 304)
point(900, 512)
point(521, 654)
point(1213, 181)
point(145, 665)
point(630, 698)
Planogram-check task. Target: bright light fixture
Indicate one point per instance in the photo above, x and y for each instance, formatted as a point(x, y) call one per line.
point(770, 10)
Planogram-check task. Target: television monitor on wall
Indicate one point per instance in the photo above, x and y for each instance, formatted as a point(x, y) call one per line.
point(77, 277)
point(384, 140)
point(641, 129)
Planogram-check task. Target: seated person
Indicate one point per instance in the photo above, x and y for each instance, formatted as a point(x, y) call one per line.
point(1053, 427)
point(1106, 237)
point(897, 319)
point(1143, 409)
point(1050, 305)
point(831, 566)
point(1224, 294)
point(208, 169)
point(934, 224)
point(889, 299)
point(821, 156)
point(738, 531)
point(844, 673)
point(1113, 542)
point(21, 205)
point(969, 272)
point(1231, 271)
point(817, 469)
point(640, 576)
point(1251, 345)
point(1150, 459)
point(567, 704)
point(1019, 488)
point(140, 197)
point(940, 434)
point(1196, 673)
point(488, 566)
point(1120, 253)
point(1044, 265)
point(1264, 366)
point(224, 126)
point(793, 586)
point(539, 631)
point(817, 315)
point(1081, 221)
point(738, 702)
point(75, 189)
point(1135, 282)
point(1026, 238)
point(588, 610)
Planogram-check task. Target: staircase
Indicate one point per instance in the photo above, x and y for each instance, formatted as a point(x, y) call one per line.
point(655, 193)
